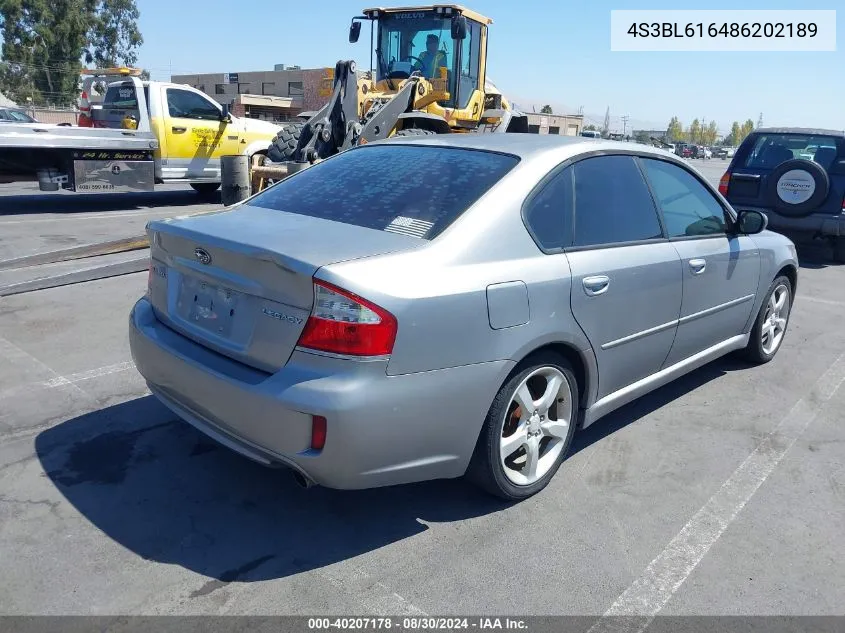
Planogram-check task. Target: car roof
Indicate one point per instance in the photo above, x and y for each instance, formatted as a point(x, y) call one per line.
point(799, 130)
point(526, 145)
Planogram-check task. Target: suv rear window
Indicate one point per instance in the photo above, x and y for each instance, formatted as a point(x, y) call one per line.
point(767, 151)
point(414, 190)
point(123, 97)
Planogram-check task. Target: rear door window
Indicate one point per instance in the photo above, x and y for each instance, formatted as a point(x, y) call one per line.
point(612, 203)
point(412, 190)
point(767, 151)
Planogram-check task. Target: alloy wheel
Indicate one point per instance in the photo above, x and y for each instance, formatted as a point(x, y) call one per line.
point(536, 425)
point(774, 321)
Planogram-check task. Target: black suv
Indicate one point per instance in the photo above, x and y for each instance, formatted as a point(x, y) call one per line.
point(796, 176)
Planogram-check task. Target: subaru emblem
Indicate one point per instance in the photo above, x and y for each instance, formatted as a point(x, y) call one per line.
point(202, 255)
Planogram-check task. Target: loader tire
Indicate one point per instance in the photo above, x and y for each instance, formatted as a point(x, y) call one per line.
point(414, 131)
point(284, 144)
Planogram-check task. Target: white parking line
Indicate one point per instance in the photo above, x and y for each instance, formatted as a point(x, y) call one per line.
point(649, 593)
point(817, 300)
point(58, 380)
point(87, 375)
point(374, 596)
point(13, 353)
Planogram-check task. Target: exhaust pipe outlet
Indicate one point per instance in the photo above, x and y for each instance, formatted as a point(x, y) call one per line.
point(301, 480)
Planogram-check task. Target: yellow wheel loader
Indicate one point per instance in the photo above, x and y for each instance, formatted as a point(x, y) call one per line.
point(429, 78)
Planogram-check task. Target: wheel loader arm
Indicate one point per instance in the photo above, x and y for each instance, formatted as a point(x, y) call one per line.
point(334, 127)
point(383, 121)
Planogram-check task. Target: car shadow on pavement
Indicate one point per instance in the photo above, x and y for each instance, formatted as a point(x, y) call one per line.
point(653, 401)
point(169, 494)
point(813, 254)
point(67, 203)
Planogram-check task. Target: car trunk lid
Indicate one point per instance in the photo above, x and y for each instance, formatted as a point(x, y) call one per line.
point(240, 282)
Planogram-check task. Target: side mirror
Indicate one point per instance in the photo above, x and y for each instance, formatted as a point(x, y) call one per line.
point(751, 222)
point(354, 32)
point(225, 115)
point(459, 27)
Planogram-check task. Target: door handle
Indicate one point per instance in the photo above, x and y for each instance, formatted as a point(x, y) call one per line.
point(596, 285)
point(697, 265)
point(179, 130)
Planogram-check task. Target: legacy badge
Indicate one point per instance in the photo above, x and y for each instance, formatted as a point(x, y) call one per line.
point(282, 317)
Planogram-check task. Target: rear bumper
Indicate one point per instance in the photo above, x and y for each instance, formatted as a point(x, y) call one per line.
point(381, 430)
point(825, 224)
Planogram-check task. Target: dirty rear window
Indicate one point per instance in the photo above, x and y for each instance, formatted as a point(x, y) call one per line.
point(122, 97)
point(767, 151)
point(412, 190)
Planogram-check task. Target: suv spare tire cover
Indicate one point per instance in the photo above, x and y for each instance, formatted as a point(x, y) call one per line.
point(797, 187)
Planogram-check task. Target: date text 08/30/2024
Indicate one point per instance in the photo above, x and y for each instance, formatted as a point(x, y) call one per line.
point(725, 29)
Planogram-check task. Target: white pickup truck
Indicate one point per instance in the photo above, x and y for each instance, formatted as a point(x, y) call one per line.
point(143, 133)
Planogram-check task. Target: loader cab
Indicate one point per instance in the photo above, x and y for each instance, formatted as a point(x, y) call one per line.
point(445, 43)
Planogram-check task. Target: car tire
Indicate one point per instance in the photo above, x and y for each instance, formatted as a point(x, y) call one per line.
point(488, 468)
point(205, 188)
point(821, 183)
point(758, 351)
point(284, 144)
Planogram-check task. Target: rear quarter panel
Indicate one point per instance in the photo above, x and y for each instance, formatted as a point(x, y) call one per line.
point(439, 293)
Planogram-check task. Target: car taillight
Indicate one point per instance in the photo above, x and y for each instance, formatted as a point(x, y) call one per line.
point(843, 204)
point(344, 323)
point(150, 278)
point(724, 182)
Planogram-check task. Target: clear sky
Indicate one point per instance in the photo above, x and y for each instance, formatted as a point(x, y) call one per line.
point(539, 52)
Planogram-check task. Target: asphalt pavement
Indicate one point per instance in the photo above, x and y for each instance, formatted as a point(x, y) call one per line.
point(721, 493)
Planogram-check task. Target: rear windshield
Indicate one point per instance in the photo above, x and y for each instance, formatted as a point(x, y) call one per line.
point(412, 190)
point(122, 97)
point(767, 151)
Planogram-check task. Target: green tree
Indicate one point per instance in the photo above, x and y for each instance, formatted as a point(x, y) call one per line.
point(114, 38)
point(674, 131)
point(746, 129)
point(694, 132)
point(733, 138)
point(642, 137)
point(546, 109)
point(591, 127)
point(711, 133)
point(42, 45)
point(45, 41)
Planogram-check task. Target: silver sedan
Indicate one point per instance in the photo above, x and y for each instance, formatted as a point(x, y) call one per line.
point(452, 305)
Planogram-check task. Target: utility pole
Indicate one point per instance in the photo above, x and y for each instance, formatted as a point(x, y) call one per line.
point(625, 125)
point(606, 130)
point(760, 121)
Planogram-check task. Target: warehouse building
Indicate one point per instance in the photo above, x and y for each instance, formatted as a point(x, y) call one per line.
point(280, 94)
point(275, 95)
point(563, 124)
